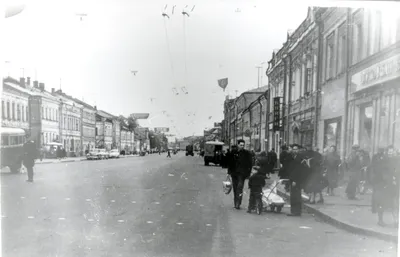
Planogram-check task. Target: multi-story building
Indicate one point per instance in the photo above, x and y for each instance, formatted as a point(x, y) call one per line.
point(255, 122)
point(116, 134)
point(70, 124)
point(88, 126)
point(235, 110)
point(45, 116)
point(15, 111)
point(373, 92)
point(104, 130)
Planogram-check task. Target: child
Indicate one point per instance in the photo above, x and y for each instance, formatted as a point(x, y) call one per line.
point(256, 184)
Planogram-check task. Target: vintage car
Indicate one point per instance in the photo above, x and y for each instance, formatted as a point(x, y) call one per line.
point(114, 153)
point(213, 152)
point(12, 142)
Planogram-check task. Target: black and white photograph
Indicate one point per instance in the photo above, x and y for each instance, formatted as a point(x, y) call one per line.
point(232, 128)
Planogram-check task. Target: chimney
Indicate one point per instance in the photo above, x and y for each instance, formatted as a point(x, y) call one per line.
point(53, 90)
point(22, 82)
point(41, 86)
point(29, 81)
point(36, 84)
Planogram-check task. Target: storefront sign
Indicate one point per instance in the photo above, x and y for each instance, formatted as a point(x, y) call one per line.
point(277, 112)
point(378, 73)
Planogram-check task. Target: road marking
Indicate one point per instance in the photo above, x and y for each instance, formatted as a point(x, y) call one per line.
point(201, 205)
point(61, 218)
point(43, 198)
point(133, 201)
point(149, 222)
point(178, 204)
point(304, 227)
point(90, 220)
point(22, 197)
point(157, 203)
point(121, 221)
point(208, 225)
point(170, 175)
point(179, 223)
point(67, 199)
point(113, 201)
point(88, 200)
point(31, 217)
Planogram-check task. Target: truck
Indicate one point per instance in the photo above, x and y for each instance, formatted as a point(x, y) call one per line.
point(189, 150)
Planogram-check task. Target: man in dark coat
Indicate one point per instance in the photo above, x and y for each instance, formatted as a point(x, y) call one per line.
point(242, 172)
point(296, 176)
point(285, 158)
point(29, 157)
point(272, 157)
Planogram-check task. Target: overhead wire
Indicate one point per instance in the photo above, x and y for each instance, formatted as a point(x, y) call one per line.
point(169, 52)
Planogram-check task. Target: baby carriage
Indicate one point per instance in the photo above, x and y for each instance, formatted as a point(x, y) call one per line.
point(271, 199)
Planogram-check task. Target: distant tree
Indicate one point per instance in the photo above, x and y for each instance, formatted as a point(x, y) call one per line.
point(130, 122)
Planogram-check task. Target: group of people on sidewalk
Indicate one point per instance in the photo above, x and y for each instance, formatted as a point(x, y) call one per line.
point(381, 173)
point(311, 172)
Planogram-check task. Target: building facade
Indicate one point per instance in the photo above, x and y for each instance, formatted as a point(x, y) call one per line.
point(88, 127)
point(45, 122)
point(15, 111)
point(116, 134)
point(104, 130)
point(70, 124)
point(373, 94)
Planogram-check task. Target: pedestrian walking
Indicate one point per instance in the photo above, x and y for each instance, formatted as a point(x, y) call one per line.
point(315, 181)
point(285, 158)
point(331, 163)
point(169, 153)
point(296, 176)
point(29, 157)
point(354, 168)
point(256, 184)
point(385, 188)
point(272, 157)
point(243, 165)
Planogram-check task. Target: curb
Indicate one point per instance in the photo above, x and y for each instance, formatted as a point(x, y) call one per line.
point(341, 225)
point(78, 160)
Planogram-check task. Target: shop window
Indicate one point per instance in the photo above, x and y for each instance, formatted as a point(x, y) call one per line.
point(332, 130)
point(365, 136)
point(384, 122)
point(13, 140)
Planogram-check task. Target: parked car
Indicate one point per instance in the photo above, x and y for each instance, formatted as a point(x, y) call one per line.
point(103, 154)
point(93, 155)
point(114, 153)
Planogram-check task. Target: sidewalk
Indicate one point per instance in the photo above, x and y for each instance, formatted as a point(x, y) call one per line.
point(354, 216)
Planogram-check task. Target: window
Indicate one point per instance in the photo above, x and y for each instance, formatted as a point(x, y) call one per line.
point(332, 133)
point(4, 140)
point(330, 56)
point(307, 84)
point(358, 45)
point(13, 140)
point(47, 114)
point(18, 112)
point(342, 49)
point(8, 110)
point(96, 132)
point(56, 115)
point(42, 112)
point(13, 111)
point(23, 113)
point(27, 113)
point(3, 111)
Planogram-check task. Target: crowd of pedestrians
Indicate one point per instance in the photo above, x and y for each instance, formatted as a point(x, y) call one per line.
point(311, 172)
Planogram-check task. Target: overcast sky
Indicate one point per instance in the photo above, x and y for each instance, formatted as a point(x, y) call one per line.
point(94, 57)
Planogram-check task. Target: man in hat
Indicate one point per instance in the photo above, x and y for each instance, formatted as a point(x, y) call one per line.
point(29, 156)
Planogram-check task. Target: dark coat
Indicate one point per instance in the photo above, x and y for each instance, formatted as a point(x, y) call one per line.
point(230, 162)
point(266, 168)
point(331, 163)
point(313, 166)
point(244, 163)
point(297, 170)
point(272, 158)
point(285, 158)
point(30, 154)
point(256, 182)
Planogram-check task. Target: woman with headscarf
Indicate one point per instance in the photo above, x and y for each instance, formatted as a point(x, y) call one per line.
point(331, 163)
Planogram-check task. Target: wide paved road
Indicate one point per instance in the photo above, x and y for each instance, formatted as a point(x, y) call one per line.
point(153, 206)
